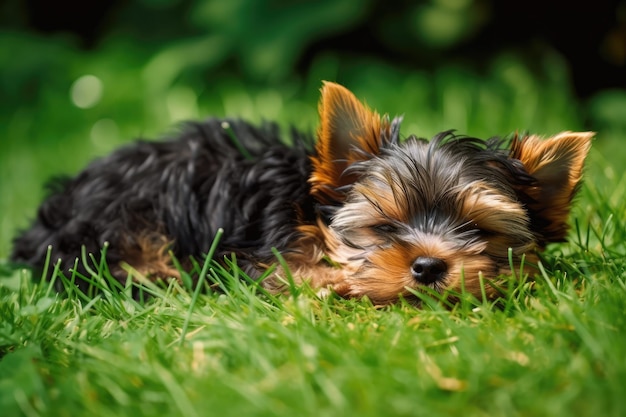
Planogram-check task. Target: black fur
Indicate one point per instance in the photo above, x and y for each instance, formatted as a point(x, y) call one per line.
point(184, 188)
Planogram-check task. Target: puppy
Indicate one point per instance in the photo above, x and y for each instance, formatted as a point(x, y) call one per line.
point(360, 211)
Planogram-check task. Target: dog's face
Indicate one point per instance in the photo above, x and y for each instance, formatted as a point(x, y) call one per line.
point(441, 214)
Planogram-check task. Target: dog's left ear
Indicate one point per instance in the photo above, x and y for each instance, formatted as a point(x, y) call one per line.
point(349, 132)
point(557, 165)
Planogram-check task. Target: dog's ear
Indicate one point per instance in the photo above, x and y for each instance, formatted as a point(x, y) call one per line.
point(349, 132)
point(556, 164)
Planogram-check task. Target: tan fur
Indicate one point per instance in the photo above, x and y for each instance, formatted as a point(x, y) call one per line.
point(557, 164)
point(308, 262)
point(345, 123)
point(148, 254)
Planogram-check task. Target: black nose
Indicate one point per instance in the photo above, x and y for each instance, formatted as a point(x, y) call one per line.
point(427, 270)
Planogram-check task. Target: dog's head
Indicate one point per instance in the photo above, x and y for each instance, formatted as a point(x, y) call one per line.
point(441, 213)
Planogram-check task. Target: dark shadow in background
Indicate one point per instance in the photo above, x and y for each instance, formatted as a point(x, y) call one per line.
point(591, 36)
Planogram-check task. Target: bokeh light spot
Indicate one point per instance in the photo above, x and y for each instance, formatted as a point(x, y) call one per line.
point(86, 91)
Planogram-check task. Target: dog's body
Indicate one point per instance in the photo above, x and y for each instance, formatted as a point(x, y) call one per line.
point(152, 197)
point(364, 213)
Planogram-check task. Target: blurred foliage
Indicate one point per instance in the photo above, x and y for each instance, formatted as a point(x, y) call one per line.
point(78, 80)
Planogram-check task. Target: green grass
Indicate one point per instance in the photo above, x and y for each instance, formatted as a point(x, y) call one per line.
point(552, 346)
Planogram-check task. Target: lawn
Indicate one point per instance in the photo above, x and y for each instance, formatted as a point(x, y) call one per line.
point(554, 345)
point(550, 347)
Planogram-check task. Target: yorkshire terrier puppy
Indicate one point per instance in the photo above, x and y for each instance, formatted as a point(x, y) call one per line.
point(360, 212)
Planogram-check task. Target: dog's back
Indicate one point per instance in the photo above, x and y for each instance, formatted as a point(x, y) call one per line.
point(151, 197)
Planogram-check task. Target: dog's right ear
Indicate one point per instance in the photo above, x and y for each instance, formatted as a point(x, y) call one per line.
point(349, 132)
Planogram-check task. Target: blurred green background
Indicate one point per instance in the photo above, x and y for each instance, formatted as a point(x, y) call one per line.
point(80, 78)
